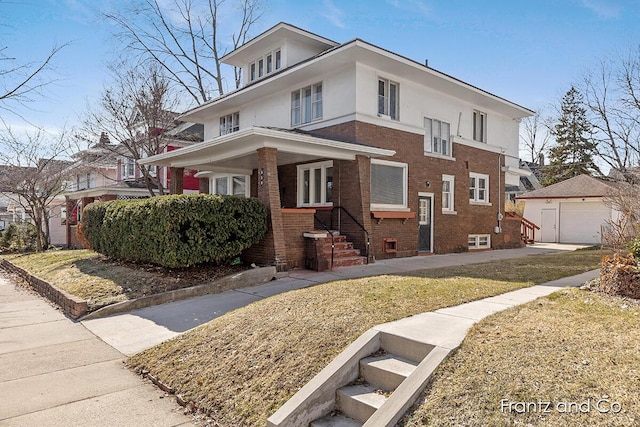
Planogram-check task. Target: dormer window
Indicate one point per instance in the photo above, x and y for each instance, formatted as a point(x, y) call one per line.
point(265, 65)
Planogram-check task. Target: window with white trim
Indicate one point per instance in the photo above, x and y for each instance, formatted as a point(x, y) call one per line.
point(479, 241)
point(388, 185)
point(306, 104)
point(230, 123)
point(128, 168)
point(437, 137)
point(478, 188)
point(448, 187)
point(315, 184)
point(265, 65)
point(479, 126)
point(388, 98)
point(230, 185)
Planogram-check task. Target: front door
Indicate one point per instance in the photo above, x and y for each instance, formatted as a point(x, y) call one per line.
point(424, 223)
point(548, 226)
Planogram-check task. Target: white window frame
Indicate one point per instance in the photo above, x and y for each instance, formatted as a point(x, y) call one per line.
point(477, 199)
point(384, 103)
point(277, 59)
point(229, 177)
point(229, 123)
point(313, 110)
point(405, 186)
point(434, 140)
point(448, 195)
point(479, 126)
point(311, 167)
point(128, 168)
point(479, 241)
point(252, 71)
point(265, 65)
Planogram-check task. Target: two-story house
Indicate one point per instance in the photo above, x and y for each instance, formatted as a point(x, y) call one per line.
point(402, 158)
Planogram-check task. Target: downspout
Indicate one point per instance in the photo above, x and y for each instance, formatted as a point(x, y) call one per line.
point(498, 228)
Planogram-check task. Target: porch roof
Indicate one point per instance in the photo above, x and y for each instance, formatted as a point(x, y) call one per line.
point(236, 152)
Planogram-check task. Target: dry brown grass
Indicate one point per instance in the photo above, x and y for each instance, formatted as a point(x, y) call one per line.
point(241, 367)
point(573, 346)
point(101, 282)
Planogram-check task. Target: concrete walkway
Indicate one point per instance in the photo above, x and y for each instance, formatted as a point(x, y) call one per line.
point(54, 372)
point(140, 329)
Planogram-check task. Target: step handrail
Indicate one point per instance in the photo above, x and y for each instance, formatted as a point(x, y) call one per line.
point(333, 244)
point(528, 228)
point(343, 209)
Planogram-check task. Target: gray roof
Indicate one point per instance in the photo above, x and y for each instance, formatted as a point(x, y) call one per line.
point(578, 186)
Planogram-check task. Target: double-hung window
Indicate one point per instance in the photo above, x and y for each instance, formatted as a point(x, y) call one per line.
point(388, 185)
point(128, 168)
point(437, 137)
point(388, 98)
point(479, 126)
point(230, 123)
point(448, 187)
point(228, 184)
point(306, 104)
point(478, 188)
point(315, 184)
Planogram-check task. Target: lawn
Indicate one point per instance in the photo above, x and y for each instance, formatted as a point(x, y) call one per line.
point(570, 359)
point(243, 366)
point(102, 282)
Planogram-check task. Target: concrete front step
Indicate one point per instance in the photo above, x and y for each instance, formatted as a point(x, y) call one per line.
point(336, 421)
point(359, 401)
point(347, 262)
point(386, 371)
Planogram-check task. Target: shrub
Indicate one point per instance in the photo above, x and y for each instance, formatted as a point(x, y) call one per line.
point(620, 275)
point(19, 237)
point(175, 231)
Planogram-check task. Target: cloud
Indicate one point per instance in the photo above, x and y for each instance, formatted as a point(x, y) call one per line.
point(413, 6)
point(603, 8)
point(334, 14)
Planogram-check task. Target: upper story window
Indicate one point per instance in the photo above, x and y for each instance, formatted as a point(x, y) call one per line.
point(128, 168)
point(478, 188)
point(479, 126)
point(315, 184)
point(388, 98)
point(448, 187)
point(227, 184)
point(306, 104)
point(230, 123)
point(437, 137)
point(265, 65)
point(388, 185)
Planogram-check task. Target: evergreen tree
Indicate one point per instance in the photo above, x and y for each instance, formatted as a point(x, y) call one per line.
point(574, 150)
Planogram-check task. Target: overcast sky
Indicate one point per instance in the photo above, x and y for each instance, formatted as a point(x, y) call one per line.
point(529, 52)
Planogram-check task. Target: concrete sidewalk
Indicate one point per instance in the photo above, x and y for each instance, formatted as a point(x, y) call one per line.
point(140, 329)
point(54, 372)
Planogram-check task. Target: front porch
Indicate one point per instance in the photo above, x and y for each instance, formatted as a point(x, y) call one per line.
point(269, 164)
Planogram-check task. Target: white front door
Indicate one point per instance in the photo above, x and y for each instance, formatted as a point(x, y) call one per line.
point(548, 226)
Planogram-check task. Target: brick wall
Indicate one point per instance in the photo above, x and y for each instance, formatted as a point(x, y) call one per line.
point(295, 222)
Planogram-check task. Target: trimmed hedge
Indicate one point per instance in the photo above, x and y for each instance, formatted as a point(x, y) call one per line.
point(175, 231)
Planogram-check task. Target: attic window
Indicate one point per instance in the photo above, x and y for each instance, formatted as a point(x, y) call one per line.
point(264, 65)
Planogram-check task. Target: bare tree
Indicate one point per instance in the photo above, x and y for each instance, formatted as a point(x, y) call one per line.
point(184, 37)
point(134, 111)
point(535, 135)
point(612, 93)
point(33, 174)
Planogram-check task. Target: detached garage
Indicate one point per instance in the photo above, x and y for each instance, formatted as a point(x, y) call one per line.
point(571, 211)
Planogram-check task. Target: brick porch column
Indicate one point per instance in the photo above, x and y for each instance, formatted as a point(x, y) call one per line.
point(269, 195)
point(175, 182)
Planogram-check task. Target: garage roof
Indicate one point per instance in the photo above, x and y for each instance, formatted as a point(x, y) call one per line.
point(578, 186)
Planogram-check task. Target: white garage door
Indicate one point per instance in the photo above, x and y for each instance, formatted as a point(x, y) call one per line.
point(580, 222)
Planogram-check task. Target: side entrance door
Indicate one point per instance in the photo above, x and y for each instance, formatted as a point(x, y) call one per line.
point(425, 223)
point(548, 226)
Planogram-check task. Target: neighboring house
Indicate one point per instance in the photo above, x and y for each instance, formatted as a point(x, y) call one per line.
point(526, 183)
point(106, 171)
point(366, 140)
point(571, 211)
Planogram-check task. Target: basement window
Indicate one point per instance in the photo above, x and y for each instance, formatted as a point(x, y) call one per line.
point(479, 241)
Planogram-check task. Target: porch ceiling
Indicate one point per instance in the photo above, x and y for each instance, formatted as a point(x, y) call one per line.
point(237, 151)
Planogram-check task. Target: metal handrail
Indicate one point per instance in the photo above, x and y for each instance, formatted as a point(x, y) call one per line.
point(356, 222)
point(333, 245)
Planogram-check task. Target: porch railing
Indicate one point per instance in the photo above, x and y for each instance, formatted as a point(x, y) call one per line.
point(527, 228)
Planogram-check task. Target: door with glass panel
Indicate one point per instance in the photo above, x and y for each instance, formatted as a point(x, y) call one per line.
point(424, 223)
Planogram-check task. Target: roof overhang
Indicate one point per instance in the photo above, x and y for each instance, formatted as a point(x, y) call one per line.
point(107, 191)
point(237, 152)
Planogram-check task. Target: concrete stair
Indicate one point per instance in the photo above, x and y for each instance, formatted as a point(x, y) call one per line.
point(380, 374)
